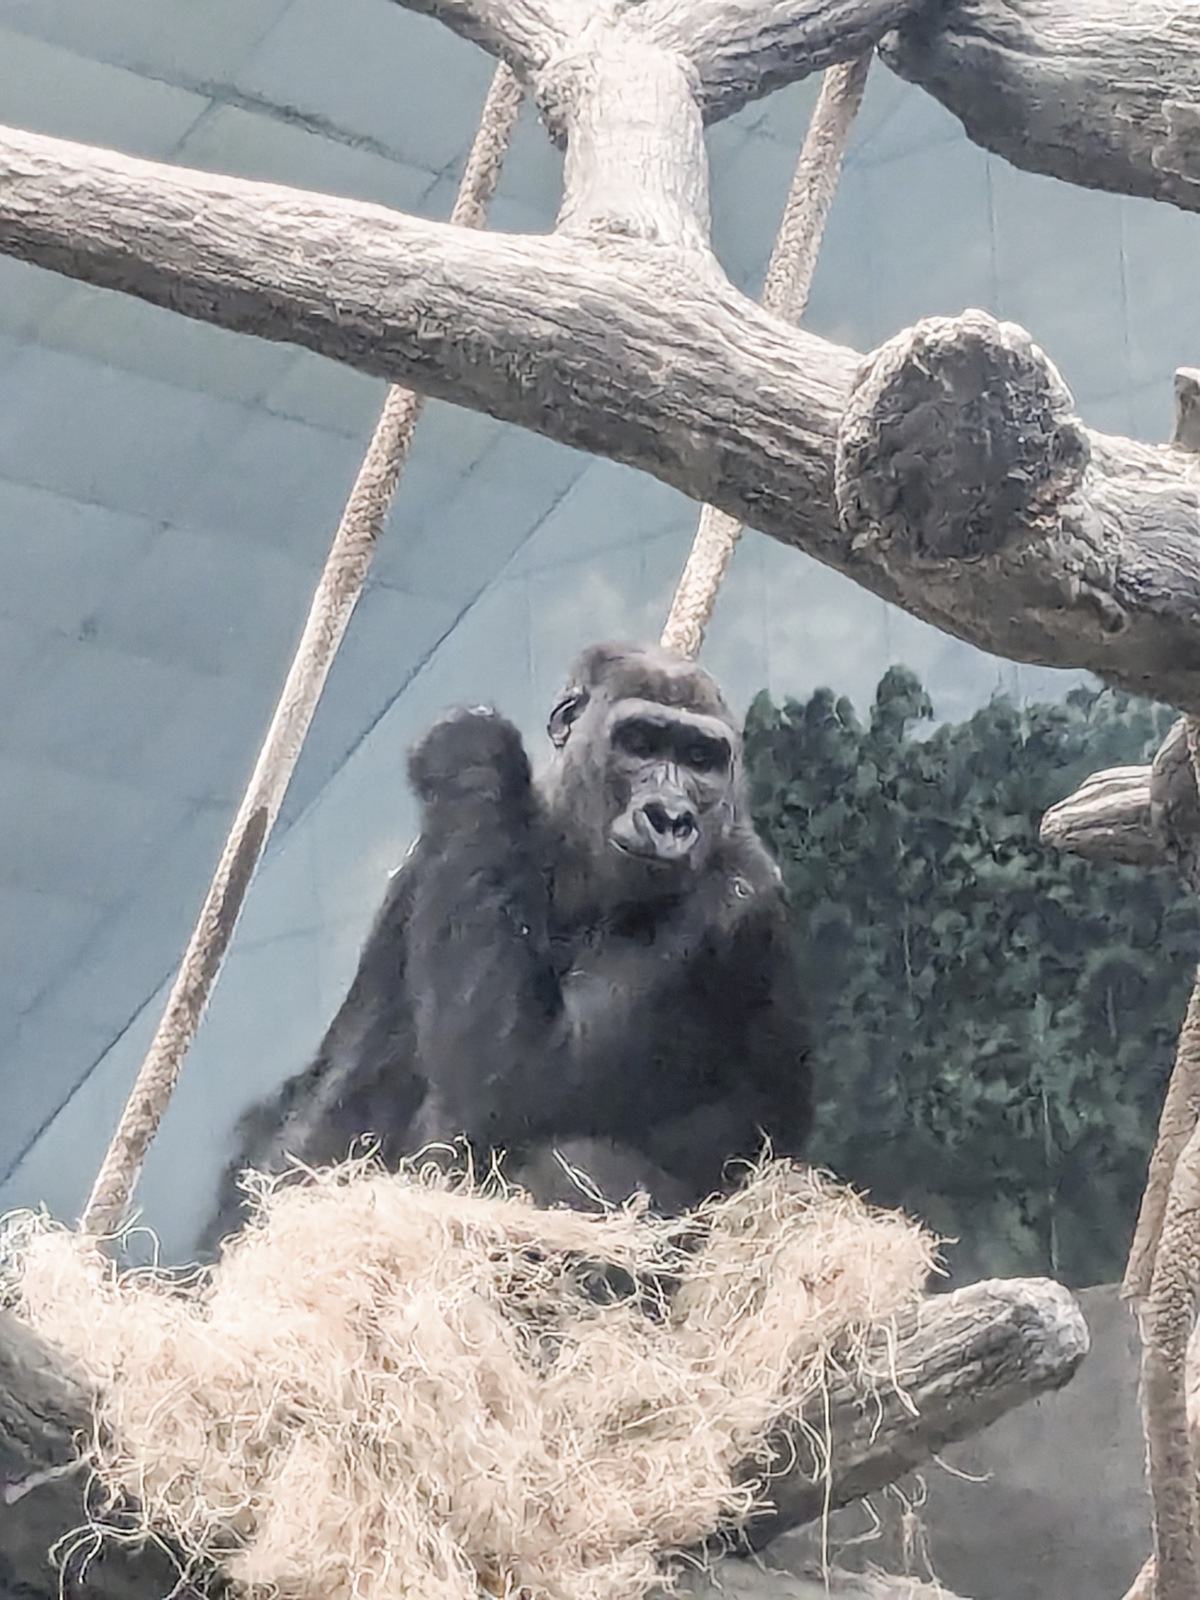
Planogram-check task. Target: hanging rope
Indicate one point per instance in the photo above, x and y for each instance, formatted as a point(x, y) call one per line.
point(337, 593)
point(785, 291)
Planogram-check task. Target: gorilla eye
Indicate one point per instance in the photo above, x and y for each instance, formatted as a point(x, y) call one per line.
point(706, 755)
point(639, 738)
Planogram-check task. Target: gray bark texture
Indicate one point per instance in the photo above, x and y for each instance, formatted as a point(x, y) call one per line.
point(736, 50)
point(962, 1359)
point(946, 473)
point(1136, 816)
point(1102, 93)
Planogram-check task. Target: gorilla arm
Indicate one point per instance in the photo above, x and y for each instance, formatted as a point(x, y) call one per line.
point(762, 1043)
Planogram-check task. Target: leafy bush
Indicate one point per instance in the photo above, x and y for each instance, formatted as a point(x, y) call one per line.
point(995, 1021)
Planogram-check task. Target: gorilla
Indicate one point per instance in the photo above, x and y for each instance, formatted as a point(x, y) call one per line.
point(594, 969)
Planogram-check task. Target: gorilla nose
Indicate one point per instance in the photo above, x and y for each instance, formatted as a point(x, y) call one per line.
point(670, 822)
point(662, 828)
point(668, 829)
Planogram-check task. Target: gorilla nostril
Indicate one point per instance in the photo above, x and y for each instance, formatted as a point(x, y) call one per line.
point(658, 817)
point(676, 821)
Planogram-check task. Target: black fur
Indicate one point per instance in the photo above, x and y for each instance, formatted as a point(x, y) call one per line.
point(598, 963)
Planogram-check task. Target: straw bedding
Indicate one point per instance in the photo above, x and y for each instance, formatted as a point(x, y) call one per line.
point(423, 1385)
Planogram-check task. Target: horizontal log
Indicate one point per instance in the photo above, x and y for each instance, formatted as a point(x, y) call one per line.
point(1089, 554)
point(960, 1360)
point(1102, 93)
point(963, 1359)
point(1107, 819)
point(1135, 816)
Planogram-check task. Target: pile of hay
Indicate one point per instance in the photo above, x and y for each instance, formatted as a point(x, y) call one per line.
point(396, 1386)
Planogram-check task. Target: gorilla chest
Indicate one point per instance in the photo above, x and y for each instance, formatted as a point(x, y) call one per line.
point(669, 1033)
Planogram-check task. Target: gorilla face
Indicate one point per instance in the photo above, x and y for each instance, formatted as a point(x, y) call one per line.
point(645, 778)
point(668, 771)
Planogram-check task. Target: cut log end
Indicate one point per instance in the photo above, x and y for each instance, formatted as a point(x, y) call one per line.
point(959, 438)
point(1135, 816)
point(1107, 819)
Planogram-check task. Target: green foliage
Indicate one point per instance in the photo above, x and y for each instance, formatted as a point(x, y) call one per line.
point(995, 1021)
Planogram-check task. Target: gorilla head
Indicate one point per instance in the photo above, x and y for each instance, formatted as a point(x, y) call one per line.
point(647, 764)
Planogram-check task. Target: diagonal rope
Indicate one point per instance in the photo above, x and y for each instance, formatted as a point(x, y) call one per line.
point(337, 593)
point(785, 291)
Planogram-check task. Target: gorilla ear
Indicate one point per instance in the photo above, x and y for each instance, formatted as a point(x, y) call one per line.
point(564, 714)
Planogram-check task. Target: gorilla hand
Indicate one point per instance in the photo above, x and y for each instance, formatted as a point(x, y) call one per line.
point(470, 755)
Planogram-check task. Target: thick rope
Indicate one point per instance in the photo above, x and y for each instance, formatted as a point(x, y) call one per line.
point(785, 292)
point(337, 593)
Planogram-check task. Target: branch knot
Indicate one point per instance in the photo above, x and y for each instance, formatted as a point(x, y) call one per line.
point(958, 440)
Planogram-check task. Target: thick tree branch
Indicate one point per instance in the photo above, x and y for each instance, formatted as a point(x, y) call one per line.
point(1136, 816)
point(742, 50)
point(1142, 816)
point(636, 167)
point(1107, 819)
point(963, 1359)
point(737, 50)
point(525, 33)
point(1104, 93)
point(951, 478)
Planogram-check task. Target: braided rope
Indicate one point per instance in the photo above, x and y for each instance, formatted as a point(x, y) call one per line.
point(785, 292)
point(337, 593)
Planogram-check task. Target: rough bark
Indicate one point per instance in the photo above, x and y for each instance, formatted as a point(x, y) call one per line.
point(963, 1360)
point(635, 165)
point(525, 33)
point(1177, 1123)
point(741, 50)
point(736, 50)
point(1105, 94)
point(1135, 816)
point(1086, 555)
point(1107, 819)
